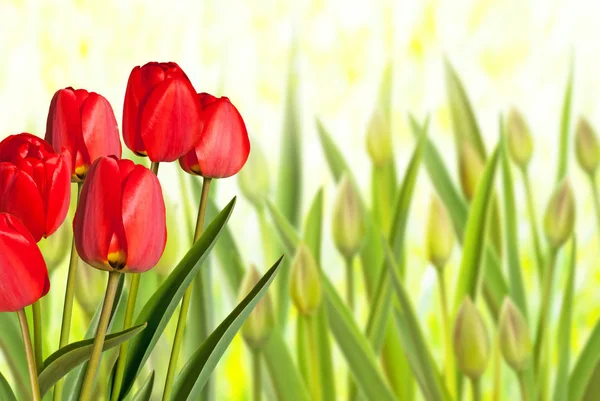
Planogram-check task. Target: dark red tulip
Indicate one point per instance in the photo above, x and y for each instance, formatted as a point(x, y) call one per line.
point(34, 183)
point(83, 123)
point(160, 113)
point(120, 222)
point(223, 145)
point(23, 273)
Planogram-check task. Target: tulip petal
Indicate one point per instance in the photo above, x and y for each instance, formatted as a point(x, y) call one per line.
point(169, 121)
point(57, 191)
point(23, 274)
point(144, 219)
point(99, 128)
point(134, 95)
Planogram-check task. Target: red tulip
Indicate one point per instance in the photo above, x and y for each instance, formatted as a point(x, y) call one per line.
point(120, 222)
point(83, 123)
point(160, 113)
point(223, 145)
point(23, 273)
point(34, 183)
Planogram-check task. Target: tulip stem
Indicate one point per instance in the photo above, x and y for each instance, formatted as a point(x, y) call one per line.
point(544, 309)
point(94, 362)
point(185, 303)
point(523, 386)
point(596, 198)
point(31, 366)
point(36, 311)
point(118, 380)
point(448, 362)
point(537, 246)
point(476, 389)
point(256, 375)
point(154, 167)
point(350, 283)
point(313, 347)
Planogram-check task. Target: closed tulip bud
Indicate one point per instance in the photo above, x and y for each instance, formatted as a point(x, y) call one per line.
point(348, 220)
point(559, 219)
point(23, 272)
point(222, 144)
point(305, 283)
point(161, 112)
point(471, 165)
point(587, 149)
point(260, 322)
point(520, 142)
point(120, 222)
point(514, 337)
point(35, 183)
point(379, 139)
point(440, 235)
point(471, 343)
point(83, 123)
point(253, 179)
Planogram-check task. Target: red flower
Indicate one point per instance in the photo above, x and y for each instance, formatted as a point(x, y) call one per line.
point(83, 123)
point(23, 273)
point(34, 183)
point(223, 146)
point(120, 222)
point(160, 113)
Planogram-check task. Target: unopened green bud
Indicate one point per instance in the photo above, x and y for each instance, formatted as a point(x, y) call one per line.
point(253, 179)
point(379, 139)
point(520, 141)
point(471, 343)
point(514, 336)
point(348, 220)
point(470, 165)
point(260, 322)
point(560, 215)
point(440, 236)
point(305, 283)
point(587, 149)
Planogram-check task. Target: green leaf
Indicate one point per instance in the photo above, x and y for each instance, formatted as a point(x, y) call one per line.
point(159, 309)
point(287, 233)
point(335, 160)
point(517, 289)
point(65, 359)
point(354, 346)
point(313, 227)
point(475, 235)
point(6, 393)
point(586, 364)
point(11, 344)
point(145, 392)
point(565, 122)
point(199, 367)
point(561, 390)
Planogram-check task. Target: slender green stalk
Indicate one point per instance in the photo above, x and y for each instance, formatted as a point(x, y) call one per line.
point(94, 362)
point(154, 167)
point(36, 310)
point(537, 245)
point(33, 374)
point(315, 379)
point(448, 359)
point(133, 291)
point(596, 198)
point(476, 389)
point(350, 283)
point(523, 386)
point(544, 309)
point(185, 303)
point(497, 367)
point(256, 375)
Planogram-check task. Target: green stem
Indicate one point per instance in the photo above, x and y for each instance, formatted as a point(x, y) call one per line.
point(523, 386)
point(154, 167)
point(33, 374)
point(92, 367)
point(596, 198)
point(118, 380)
point(256, 375)
point(448, 360)
point(313, 365)
point(36, 310)
point(544, 309)
point(185, 303)
point(349, 283)
point(476, 389)
point(537, 245)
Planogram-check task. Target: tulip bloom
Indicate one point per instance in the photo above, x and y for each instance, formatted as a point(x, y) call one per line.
point(34, 183)
point(23, 273)
point(222, 146)
point(160, 112)
point(120, 222)
point(83, 123)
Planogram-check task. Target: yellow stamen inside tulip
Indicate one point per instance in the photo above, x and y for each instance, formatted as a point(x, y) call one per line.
point(81, 171)
point(196, 169)
point(141, 153)
point(117, 260)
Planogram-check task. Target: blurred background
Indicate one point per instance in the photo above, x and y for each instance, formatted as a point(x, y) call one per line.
point(507, 52)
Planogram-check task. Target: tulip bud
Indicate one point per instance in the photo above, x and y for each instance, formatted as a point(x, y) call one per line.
point(222, 144)
point(305, 283)
point(23, 274)
point(161, 112)
point(471, 343)
point(253, 179)
point(520, 142)
point(559, 219)
point(587, 148)
point(440, 235)
point(260, 322)
point(470, 165)
point(348, 220)
point(379, 139)
point(514, 337)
